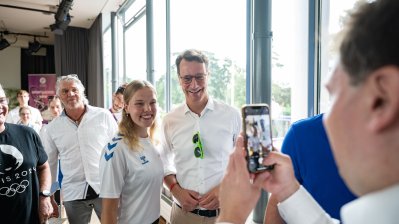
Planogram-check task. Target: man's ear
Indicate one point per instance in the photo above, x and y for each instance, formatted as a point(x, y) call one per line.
point(384, 90)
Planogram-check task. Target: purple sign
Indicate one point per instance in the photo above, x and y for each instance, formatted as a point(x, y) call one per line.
point(41, 88)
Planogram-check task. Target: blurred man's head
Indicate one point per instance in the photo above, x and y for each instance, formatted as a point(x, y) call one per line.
point(363, 123)
point(117, 99)
point(23, 97)
point(55, 106)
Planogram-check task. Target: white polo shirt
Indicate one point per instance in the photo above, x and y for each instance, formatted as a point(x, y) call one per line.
point(218, 125)
point(79, 148)
point(36, 116)
point(135, 177)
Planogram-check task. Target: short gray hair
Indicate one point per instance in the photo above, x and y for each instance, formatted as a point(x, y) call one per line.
point(74, 78)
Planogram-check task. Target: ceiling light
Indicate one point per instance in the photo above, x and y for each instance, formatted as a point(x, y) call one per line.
point(62, 17)
point(34, 46)
point(60, 26)
point(3, 43)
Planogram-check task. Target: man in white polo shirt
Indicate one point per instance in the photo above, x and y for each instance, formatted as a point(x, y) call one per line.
point(198, 137)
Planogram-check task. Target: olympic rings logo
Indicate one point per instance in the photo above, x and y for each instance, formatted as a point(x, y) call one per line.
point(14, 188)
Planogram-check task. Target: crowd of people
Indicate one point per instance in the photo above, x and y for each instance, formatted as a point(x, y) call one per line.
point(113, 162)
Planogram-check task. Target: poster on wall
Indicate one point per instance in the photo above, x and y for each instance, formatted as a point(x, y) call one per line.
point(41, 89)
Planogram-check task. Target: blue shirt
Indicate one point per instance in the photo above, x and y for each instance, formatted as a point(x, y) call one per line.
point(307, 144)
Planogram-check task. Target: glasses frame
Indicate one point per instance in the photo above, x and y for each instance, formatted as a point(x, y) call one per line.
point(188, 79)
point(198, 149)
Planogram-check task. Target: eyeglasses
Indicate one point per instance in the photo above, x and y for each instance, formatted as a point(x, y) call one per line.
point(188, 78)
point(3, 100)
point(198, 150)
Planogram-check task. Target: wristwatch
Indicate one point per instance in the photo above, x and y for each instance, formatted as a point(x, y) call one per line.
point(45, 193)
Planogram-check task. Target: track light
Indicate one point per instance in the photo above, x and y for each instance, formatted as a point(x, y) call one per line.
point(3, 43)
point(62, 17)
point(34, 46)
point(60, 26)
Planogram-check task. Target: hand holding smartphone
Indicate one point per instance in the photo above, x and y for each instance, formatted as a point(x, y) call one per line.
point(257, 135)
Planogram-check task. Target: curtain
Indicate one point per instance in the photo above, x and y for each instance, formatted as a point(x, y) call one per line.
point(95, 90)
point(79, 51)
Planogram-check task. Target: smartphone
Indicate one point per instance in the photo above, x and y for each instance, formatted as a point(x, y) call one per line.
point(257, 135)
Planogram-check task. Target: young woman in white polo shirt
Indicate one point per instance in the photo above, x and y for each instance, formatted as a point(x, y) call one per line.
point(131, 170)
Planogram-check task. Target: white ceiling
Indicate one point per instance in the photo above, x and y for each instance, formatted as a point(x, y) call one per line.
point(83, 14)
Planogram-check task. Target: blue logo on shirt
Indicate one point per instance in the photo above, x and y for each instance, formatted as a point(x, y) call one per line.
point(142, 158)
point(110, 147)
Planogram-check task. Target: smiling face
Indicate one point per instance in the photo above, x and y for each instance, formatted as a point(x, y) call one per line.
point(142, 109)
point(196, 91)
point(70, 95)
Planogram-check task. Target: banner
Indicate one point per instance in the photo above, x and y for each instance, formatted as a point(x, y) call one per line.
point(41, 88)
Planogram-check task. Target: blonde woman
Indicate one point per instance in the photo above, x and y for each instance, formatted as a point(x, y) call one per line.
point(131, 170)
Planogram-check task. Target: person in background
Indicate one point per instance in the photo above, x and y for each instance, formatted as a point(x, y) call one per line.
point(24, 173)
point(54, 109)
point(131, 170)
point(362, 127)
point(77, 137)
point(25, 119)
point(118, 103)
point(23, 100)
point(198, 137)
point(307, 144)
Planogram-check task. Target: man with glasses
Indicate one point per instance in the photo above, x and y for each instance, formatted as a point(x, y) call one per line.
point(77, 137)
point(24, 173)
point(23, 100)
point(198, 137)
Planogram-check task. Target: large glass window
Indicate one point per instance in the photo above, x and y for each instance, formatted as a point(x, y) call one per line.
point(289, 64)
point(107, 59)
point(334, 14)
point(218, 29)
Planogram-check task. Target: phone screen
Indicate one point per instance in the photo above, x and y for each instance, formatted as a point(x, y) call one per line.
point(258, 138)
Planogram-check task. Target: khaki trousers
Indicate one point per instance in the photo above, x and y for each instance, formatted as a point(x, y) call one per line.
point(178, 216)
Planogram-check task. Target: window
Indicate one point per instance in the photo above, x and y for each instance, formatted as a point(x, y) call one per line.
point(334, 14)
point(221, 35)
point(289, 65)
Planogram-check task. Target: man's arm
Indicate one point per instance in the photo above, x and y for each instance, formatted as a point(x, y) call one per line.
point(240, 190)
point(272, 215)
point(45, 206)
point(187, 199)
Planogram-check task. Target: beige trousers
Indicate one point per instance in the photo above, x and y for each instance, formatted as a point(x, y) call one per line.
point(178, 216)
